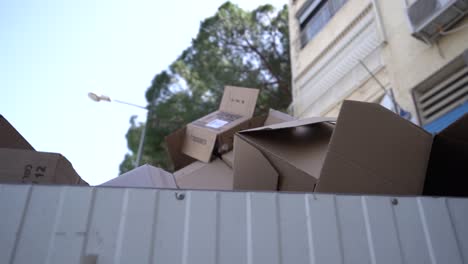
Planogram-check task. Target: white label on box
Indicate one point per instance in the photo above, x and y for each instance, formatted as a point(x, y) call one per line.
point(217, 123)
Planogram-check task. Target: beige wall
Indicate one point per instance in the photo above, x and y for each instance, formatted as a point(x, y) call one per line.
point(404, 60)
point(369, 91)
point(305, 56)
point(326, 70)
point(409, 60)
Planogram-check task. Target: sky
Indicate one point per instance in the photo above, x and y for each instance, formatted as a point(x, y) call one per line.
point(52, 53)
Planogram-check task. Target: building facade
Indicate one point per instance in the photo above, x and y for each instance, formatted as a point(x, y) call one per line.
point(410, 56)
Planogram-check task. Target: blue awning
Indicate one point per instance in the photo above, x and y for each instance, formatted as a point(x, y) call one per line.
point(447, 119)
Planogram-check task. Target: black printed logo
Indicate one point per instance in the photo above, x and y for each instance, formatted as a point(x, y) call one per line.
point(198, 140)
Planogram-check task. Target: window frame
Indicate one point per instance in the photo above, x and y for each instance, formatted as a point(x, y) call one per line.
point(309, 15)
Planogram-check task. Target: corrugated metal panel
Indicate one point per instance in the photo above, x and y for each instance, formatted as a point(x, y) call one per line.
point(52, 224)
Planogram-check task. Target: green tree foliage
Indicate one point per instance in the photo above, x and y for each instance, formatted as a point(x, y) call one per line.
point(233, 47)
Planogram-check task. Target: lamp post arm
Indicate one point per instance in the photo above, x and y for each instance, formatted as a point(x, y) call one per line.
point(127, 103)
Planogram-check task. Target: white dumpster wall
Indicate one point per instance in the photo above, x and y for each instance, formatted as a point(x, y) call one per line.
point(50, 224)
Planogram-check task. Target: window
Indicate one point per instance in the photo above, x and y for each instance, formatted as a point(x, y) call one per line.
point(314, 15)
point(443, 97)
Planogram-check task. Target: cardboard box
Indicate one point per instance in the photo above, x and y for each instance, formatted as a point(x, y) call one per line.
point(174, 144)
point(228, 158)
point(215, 175)
point(27, 166)
point(447, 173)
point(144, 176)
point(174, 141)
point(11, 138)
point(370, 150)
point(237, 106)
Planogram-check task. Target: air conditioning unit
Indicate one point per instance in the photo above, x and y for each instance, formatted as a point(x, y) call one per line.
point(428, 18)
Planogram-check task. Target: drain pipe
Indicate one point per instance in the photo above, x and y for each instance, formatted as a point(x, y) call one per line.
point(380, 24)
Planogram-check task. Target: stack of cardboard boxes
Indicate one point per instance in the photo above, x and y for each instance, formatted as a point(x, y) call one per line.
point(366, 150)
point(202, 151)
point(20, 163)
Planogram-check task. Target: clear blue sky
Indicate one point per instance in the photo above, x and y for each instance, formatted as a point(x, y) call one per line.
point(52, 53)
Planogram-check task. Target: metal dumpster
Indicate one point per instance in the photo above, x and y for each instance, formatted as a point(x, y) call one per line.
point(68, 224)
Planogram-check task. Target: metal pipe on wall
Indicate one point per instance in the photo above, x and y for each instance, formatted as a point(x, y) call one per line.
point(378, 17)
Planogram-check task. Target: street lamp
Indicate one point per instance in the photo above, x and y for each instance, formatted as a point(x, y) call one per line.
point(98, 98)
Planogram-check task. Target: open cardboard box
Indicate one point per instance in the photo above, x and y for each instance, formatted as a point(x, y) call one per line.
point(217, 174)
point(175, 141)
point(370, 150)
point(20, 163)
point(237, 107)
point(27, 166)
point(273, 117)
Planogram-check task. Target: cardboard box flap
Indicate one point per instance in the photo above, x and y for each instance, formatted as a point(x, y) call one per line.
point(236, 108)
point(276, 117)
point(304, 148)
point(144, 176)
point(291, 178)
point(226, 139)
point(174, 144)
point(11, 138)
point(252, 171)
point(215, 175)
point(199, 143)
point(292, 124)
point(372, 146)
point(238, 100)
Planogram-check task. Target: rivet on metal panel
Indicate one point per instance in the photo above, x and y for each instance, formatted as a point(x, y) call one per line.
point(394, 201)
point(179, 196)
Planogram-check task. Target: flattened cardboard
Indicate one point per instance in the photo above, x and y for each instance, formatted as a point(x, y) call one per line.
point(276, 117)
point(174, 143)
point(447, 173)
point(371, 150)
point(215, 175)
point(144, 176)
point(27, 166)
point(237, 106)
point(292, 124)
point(11, 138)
